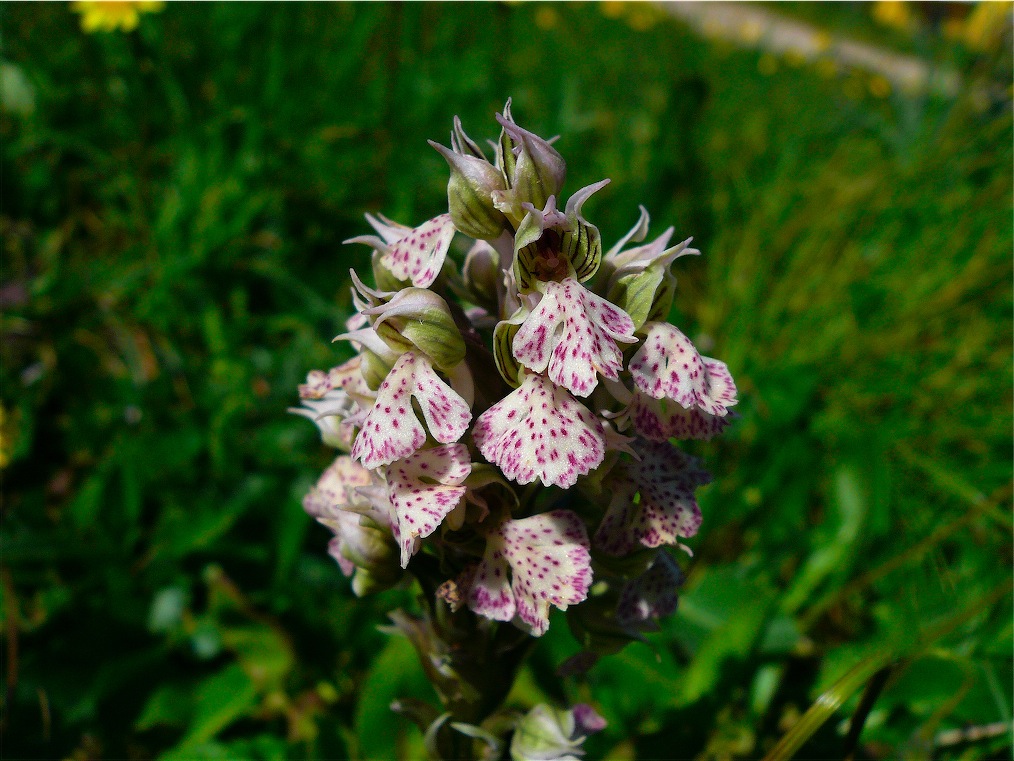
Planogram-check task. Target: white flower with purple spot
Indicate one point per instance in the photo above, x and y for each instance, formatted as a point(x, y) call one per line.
point(539, 431)
point(423, 489)
point(328, 502)
point(416, 255)
point(574, 333)
point(531, 565)
point(652, 595)
point(392, 431)
point(665, 479)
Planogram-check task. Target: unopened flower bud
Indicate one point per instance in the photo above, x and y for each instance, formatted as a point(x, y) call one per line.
point(551, 734)
point(368, 545)
point(481, 272)
point(537, 171)
point(368, 582)
point(462, 144)
point(470, 194)
point(418, 318)
point(641, 279)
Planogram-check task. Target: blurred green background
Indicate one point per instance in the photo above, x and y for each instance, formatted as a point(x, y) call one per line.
point(173, 204)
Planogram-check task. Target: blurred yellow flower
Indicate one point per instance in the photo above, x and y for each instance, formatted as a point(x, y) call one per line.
point(110, 15)
point(546, 17)
point(893, 13)
point(612, 8)
point(985, 25)
point(880, 87)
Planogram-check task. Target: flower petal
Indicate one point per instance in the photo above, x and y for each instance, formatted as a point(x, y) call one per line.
point(540, 431)
point(664, 419)
point(667, 365)
point(489, 590)
point(667, 510)
point(423, 489)
point(549, 563)
point(652, 595)
point(419, 255)
point(391, 430)
point(573, 332)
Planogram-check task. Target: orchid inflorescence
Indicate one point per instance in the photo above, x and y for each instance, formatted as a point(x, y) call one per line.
point(508, 420)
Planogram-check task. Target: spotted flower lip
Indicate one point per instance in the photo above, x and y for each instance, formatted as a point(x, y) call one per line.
point(573, 333)
point(391, 431)
point(667, 365)
point(561, 351)
point(652, 595)
point(423, 489)
point(664, 419)
point(667, 511)
point(540, 431)
point(413, 254)
point(549, 562)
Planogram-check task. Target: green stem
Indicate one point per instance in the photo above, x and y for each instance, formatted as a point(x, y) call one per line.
point(471, 662)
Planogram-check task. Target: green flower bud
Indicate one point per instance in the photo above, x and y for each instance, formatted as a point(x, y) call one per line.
point(551, 734)
point(370, 546)
point(418, 318)
point(641, 280)
point(537, 171)
point(366, 582)
point(481, 273)
point(470, 194)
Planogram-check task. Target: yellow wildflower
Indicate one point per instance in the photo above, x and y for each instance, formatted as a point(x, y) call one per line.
point(985, 25)
point(880, 87)
point(892, 13)
point(110, 15)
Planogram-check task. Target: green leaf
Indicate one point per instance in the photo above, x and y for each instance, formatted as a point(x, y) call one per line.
point(171, 704)
point(395, 673)
point(832, 557)
point(219, 701)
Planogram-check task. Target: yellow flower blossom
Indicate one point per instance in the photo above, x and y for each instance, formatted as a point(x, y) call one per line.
point(985, 25)
point(110, 15)
point(893, 13)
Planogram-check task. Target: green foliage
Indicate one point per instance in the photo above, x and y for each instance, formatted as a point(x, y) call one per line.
point(173, 205)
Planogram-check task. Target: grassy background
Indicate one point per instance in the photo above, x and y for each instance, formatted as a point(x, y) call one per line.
point(173, 202)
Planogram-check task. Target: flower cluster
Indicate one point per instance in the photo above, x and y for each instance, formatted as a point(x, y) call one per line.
point(510, 412)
